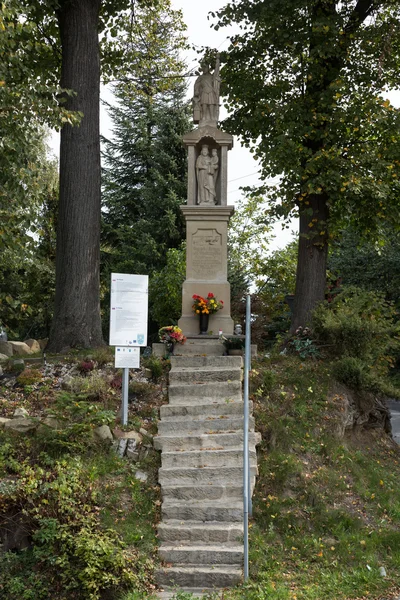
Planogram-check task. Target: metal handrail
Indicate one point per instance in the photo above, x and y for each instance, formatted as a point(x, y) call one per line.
point(247, 504)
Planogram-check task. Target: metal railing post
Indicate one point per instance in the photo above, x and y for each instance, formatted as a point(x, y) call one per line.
point(246, 462)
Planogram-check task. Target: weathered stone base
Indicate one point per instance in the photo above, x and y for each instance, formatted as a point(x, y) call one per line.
point(189, 322)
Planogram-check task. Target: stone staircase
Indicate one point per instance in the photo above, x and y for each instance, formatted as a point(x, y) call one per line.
point(201, 437)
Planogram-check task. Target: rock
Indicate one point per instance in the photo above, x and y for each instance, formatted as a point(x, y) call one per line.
point(141, 476)
point(131, 451)
point(148, 373)
point(127, 435)
point(1, 371)
point(6, 348)
point(103, 433)
point(33, 345)
point(43, 343)
point(20, 348)
point(148, 438)
point(52, 422)
point(21, 425)
point(68, 383)
point(3, 357)
point(3, 421)
point(120, 447)
point(20, 413)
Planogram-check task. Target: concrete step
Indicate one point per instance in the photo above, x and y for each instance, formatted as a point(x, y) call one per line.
point(206, 458)
point(204, 441)
point(217, 408)
point(206, 361)
point(196, 375)
point(203, 554)
point(202, 492)
point(207, 425)
point(202, 510)
point(195, 593)
point(209, 475)
point(200, 348)
point(206, 393)
point(208, 532)
point(199, 576)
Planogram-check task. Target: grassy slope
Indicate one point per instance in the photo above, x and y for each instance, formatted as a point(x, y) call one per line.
point(326, 509)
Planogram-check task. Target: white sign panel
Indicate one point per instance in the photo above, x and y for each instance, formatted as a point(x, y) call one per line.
point(129, 309)
point(127, 358)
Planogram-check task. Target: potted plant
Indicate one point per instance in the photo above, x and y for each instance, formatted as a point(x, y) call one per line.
point(204, 307)
point(234, 345)
point(171, 335)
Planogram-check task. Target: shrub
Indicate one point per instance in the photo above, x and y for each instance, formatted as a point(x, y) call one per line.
point(234, 343)
point(29, 377)
point(356, 323)
point(70, 556)
point(302, 344)
point(155, 365)
point(351, 371)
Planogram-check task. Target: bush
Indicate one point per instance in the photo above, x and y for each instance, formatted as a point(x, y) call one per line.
point(155, 365)
point(70, 556)
point(29, 377)
point(351, 371)
point(357, 324)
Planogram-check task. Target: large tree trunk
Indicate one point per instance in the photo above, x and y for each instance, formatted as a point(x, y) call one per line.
point(311, 262)
point(76, 321)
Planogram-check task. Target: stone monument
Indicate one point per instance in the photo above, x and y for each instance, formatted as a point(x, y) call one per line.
point(206, 213)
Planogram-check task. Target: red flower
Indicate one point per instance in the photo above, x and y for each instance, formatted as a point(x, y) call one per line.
point(210, 295)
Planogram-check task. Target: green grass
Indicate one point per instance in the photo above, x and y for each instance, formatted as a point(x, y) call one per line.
point(326, 508)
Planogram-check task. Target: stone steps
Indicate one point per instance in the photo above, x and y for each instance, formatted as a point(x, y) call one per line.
point(208, 532)
point(196, 375)
point(224, 408)
point(199, 576)
point(200, 435)
point(228, 554)
point(203, 441)
point(206, 458)
point(202, 492)
point(206, 425)
point(208, 393)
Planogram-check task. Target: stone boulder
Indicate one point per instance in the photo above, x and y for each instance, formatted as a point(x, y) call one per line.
point(21, 425)
point(3, 421)
point(20, 348)
point(3, 357)
point(43, 343)
point(103, 434)
point(6, 349)
point(33, 345)
point(20, 413)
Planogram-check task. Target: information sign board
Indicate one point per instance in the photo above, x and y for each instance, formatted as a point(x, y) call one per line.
point(127, 358)
point(129, 309)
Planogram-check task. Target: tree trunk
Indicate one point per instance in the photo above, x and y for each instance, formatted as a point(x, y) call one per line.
point(311, 262)
point(76, 321)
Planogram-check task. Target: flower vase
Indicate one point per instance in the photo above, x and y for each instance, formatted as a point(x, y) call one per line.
point(169, 349)
point(203, 323)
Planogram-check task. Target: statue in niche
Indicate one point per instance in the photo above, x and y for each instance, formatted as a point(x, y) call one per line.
point(206, 95)
point(206, 174)
point(214, 165)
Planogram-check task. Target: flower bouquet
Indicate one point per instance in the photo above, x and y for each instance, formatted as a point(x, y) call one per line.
point(171, 334)
point(206, 306)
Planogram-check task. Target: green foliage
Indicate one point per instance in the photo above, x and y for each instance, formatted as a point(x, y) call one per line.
point(356, 323)
point(165, 288)
point(156, 366)
point(144, 178)
point(77, 558)
point(373, 266)
point(353, 372)
point(29, 377)
point(302, 344)
point(233, 343)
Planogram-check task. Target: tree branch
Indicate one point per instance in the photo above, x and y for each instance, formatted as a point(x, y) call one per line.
point(361, 11)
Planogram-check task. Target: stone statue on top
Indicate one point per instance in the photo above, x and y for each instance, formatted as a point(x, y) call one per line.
point(206, 95)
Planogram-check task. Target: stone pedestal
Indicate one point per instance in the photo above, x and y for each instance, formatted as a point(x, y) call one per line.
point(206, 265)
point(207, 217)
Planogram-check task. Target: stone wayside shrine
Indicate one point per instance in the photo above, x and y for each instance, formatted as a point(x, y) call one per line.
point(206, 213)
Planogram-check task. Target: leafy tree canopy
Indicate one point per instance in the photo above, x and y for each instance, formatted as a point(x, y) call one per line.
point(305, 85)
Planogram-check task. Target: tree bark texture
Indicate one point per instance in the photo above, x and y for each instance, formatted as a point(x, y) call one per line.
point(77, 321)
point(311, 262)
